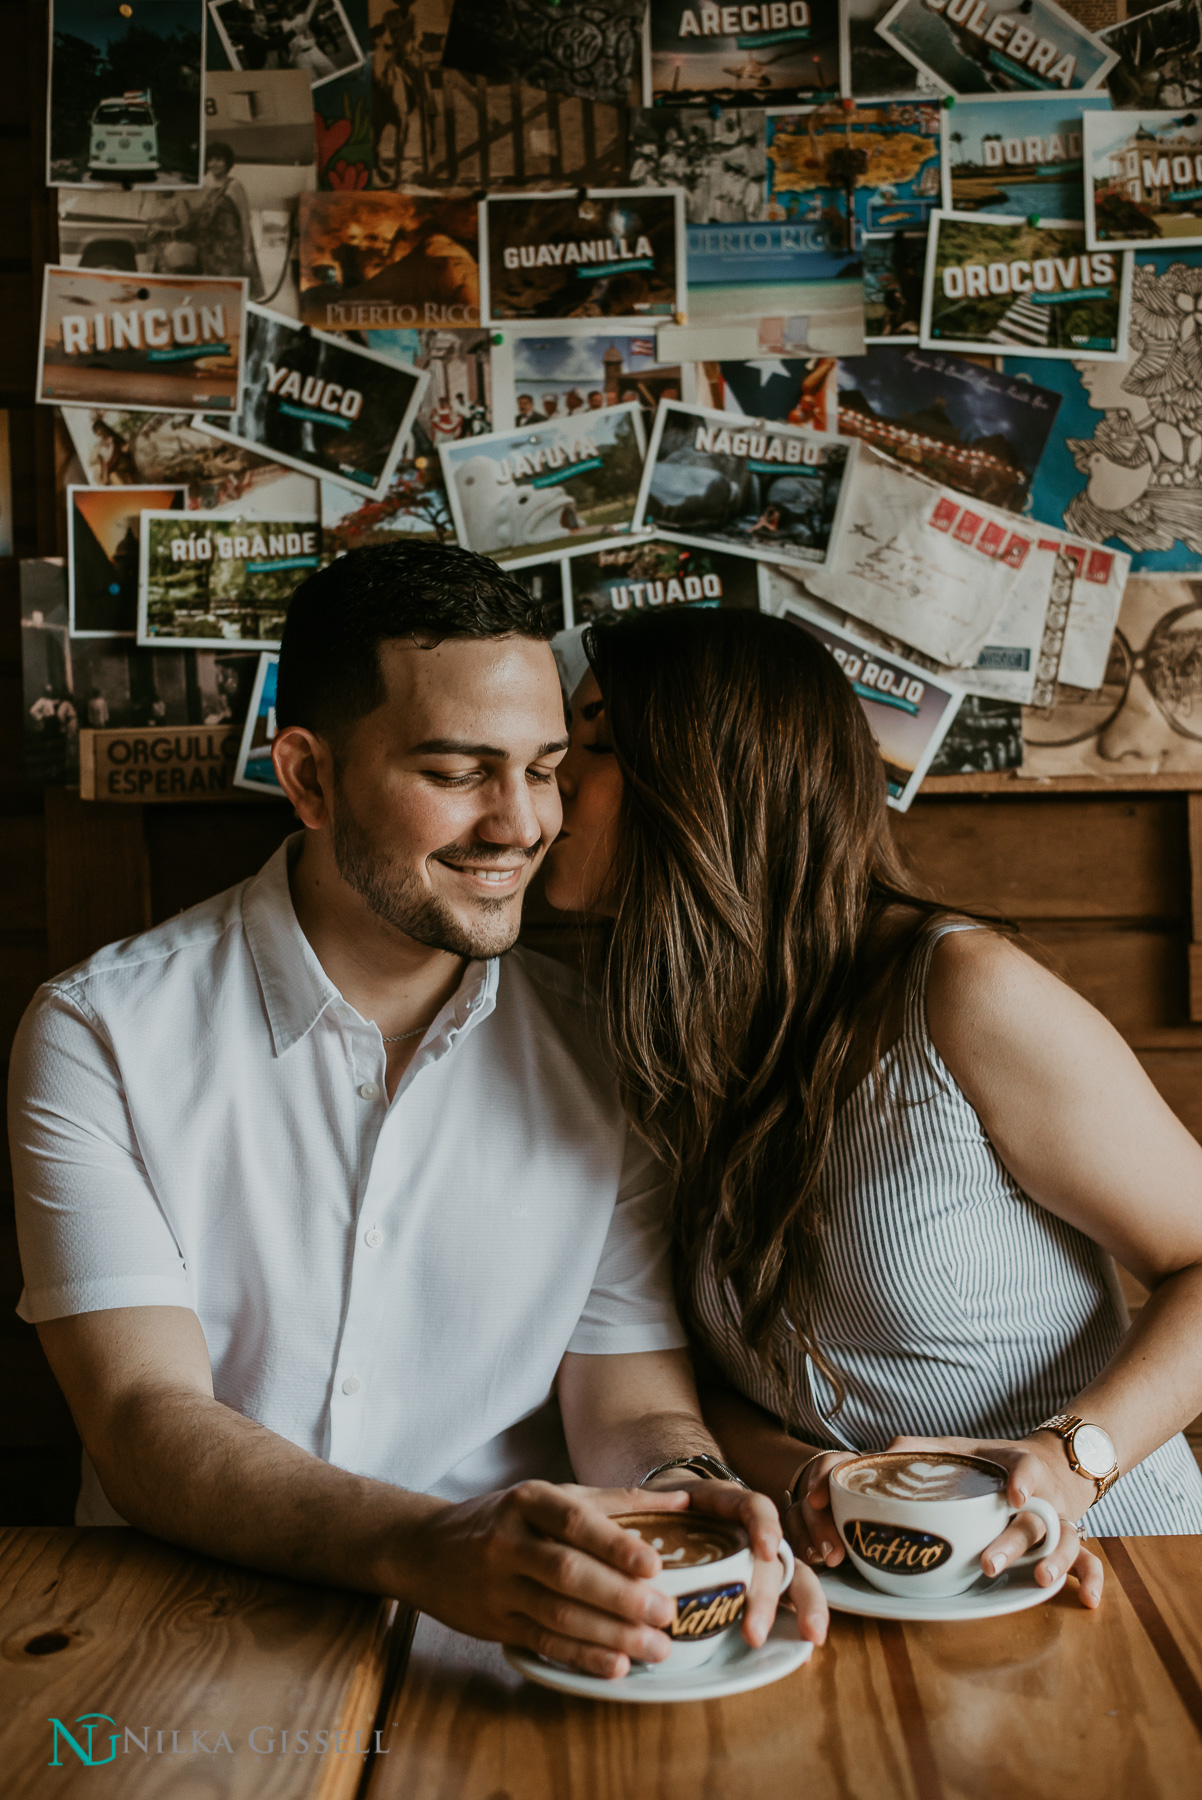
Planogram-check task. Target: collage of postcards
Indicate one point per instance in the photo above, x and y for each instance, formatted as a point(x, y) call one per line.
point(883, 317)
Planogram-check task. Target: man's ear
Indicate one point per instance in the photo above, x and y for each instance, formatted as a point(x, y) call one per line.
point(304, 767)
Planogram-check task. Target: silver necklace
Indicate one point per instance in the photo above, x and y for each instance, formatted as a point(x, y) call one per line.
point(402, 1035)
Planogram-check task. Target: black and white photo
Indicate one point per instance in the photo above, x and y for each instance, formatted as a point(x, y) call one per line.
point(313, 35)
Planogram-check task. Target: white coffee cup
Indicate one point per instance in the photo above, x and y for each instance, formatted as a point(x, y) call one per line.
point(922, 1545)
point(710, 1596)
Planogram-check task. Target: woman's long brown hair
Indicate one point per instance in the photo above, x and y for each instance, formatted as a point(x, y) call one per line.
point(755, 856)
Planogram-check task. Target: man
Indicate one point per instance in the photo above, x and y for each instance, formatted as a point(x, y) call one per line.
point(527, 413)
point(321, 1203)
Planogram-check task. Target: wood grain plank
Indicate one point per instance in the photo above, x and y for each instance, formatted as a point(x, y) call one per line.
point(1136, 976)
point(153, 1636)
point(1193, 814)
point(1177, 1074)
point(97, 876)
point(23, 890)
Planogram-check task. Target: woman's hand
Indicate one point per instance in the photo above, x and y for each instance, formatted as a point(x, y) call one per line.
point(1034, 1466)
point(811, 1531)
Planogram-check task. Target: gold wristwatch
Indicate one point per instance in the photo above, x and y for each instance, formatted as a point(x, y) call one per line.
point(1089, 1449)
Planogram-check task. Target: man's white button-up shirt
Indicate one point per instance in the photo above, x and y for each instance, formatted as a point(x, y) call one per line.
point(199, 1119)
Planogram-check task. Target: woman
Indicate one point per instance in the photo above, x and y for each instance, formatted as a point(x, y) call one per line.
point(904, 1154)
point(212, 230)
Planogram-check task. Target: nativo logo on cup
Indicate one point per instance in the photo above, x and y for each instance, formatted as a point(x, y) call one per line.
point(995, 283)
point(705, 1614)
point(894, 1547)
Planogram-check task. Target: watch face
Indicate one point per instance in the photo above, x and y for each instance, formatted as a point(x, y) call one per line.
point(1093, 1450)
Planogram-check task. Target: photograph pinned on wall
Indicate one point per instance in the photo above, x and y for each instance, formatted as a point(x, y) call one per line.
point(522, 493)
point(986, 736)
point(995, 283)
point(383, 261)
point(1143, 180)
point(545, 579)
point(255, 769)
point(873, 68)
point(612, 253)
point(855, 168)
point(953, 420)
point(774, 491)
point(1017, 153)
point(1159, 57)
point(259, 155)
point(538, 375)
point(204, 577)
point(634, 575)
point(105, 682)
point(144, 343)
point(1121, 467)
point(916, 561)
point(909, 711)
point(591, 49)
point(894, 264)
point(721, 163)
point(414, 508)
point(435, 128)
point(124, 102)
point(772, 54)
point(103, 529)
point(1145, 718)
point(982, 47)
point(783, 281)
point(314, 36)
point(322, 405)
point(800, 390)
point(122, 449)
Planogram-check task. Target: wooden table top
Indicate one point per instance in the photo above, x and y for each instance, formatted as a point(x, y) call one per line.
point(160, 1641)
point(1048, 1704)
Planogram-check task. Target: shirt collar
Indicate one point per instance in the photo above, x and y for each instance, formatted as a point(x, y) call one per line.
point(296, 989)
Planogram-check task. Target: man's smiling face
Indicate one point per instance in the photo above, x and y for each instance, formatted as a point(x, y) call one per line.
point(445, 798)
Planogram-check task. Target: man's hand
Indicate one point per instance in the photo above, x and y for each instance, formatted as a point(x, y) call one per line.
point(759, 1519)
point(544, 1567)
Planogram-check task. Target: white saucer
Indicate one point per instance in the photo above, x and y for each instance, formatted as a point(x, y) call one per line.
point(988, 1598)
point(733, 1669)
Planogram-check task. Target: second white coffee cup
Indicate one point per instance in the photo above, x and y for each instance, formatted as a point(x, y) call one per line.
point(710, 1597)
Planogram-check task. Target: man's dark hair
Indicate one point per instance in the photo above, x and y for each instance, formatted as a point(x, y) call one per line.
point(329, 670)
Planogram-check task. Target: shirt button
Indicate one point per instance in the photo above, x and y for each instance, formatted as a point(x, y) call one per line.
point(351, 1385)
point(373, 1238)
point(369, 1090)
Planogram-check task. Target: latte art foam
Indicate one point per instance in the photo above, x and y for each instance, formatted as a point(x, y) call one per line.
point(930, 1477)
point(681, 1542)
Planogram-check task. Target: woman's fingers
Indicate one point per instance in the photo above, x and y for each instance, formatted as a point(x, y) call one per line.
point(1020, 1535)
point(1090, 1575)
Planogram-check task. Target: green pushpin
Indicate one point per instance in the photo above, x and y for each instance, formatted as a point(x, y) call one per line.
point(498, 337)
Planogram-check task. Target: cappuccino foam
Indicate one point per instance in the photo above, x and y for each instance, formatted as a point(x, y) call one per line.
point(913, 1475)
point(681, 1544)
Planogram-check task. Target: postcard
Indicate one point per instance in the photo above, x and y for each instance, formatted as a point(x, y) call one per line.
point(721, 163)
point(632, 575)
point(785, 281)
point(322, 405)
point(520, 493)
point(953, 420)
point(589, 48)
point(242, 221)
point(120, 449)
point(773, 54)
point(995, 283)
point(146, 343)
point(95, 683)
point(124, 105)
point(881, 161)
point(613, 253)
point(908, 710)
point(1159, 57)
point(255, 769)
point(894, 264)
point(204, 576)
point(919, 563)
point(371, 261)
point(981, 47)
point(541, 375)
point(433, 128)
point(1143, 180)
point(986, 736)
point(773, 490)
point(282, 34)
point(1017, 153)
point(414, 507)
point(1117, 470)
point(873, 68)
point(1143, 719)
point(797, 390)
point(103, 526)
point(545, 579)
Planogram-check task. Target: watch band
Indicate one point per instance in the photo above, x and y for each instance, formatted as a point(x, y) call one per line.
point(710, 1468)
point(790, 1494)
point(1065, 1426)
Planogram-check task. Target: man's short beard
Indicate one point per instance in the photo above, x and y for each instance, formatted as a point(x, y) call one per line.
point(402, 901)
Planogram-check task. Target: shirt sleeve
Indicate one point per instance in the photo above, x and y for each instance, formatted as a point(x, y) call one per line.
point(630, 1307)
point(89, 1226)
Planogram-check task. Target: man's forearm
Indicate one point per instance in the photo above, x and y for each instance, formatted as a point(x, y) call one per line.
point(624, 1453)
point(182, 1466)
